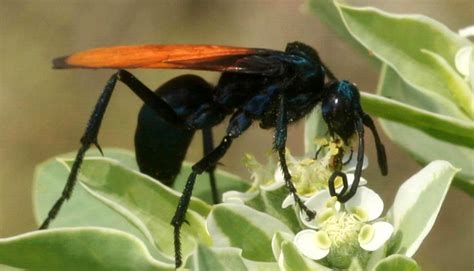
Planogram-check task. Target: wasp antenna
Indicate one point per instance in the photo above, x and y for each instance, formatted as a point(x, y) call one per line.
point(329, 73)
point(381, 155)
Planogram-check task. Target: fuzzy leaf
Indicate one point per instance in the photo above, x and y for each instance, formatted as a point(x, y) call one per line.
point(417, 205)
point(290, 259)
point(327, 11)
point(424, 147)
point(278, 240)
point(420, 50)
point(314, 127)
point(225, 182)
point(270, 202)
point(146, 203)
point(446, 128)
point(87, 248)
point(82, 209)
point(226, 258)
point(396, 263)
point(239, 226)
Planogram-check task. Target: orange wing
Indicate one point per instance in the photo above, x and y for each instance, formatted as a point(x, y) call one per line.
point(197, 57)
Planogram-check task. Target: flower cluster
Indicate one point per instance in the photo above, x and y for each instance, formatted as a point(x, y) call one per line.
point(343, 231)
point(339, 232)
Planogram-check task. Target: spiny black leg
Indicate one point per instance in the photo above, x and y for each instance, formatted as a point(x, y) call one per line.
point(279, 145)
point(89, 137)
point(204, 164)
point(381, 156)
point(360, 162)
point(208, 144)
point(92, 130)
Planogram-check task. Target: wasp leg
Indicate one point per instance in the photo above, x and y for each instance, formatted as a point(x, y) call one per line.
point(208, 143)
point(93, 126)
point(279, 145)
point(204, 164)
point(238, 124)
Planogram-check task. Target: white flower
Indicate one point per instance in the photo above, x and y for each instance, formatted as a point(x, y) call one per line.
point(343, 231)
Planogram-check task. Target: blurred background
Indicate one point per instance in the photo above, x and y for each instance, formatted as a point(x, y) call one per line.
point(43, 112)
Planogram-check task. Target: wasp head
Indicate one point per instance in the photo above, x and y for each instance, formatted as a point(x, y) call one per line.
point(341, 108)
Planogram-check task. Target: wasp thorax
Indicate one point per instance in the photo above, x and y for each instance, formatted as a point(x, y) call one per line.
point(341, 108)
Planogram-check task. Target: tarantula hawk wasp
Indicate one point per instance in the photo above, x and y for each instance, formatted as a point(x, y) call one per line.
point(272, 87)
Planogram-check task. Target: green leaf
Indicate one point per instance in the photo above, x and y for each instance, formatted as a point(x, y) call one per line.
point(459, 89)
point(216, 259)
point(225, 258)
point(471, 68)
point(82, 209)
point(417, 205)
point(225, 182)
point(146, 203)
point(243, 227)
point(443, 127)
point(290, 259)
point(397, 263)
point(314, 127)
point(328, 13)
point(269, 202)
point(376, 256)
point(414, 46)
point(87, 248)
point(278, 240)
point(424, 147)
point(49, 180)
point(402, 42)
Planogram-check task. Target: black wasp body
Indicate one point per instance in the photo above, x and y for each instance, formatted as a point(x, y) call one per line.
point(247, 97)
point(270, 87)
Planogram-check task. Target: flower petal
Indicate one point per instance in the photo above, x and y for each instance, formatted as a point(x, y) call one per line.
point(366, 204)
point(321, 203)
point(238, 197)
point(288, 201)
point(308, 243)
point(351, 165)
point(467, 31)
point(279, 180)
point(382, 232)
